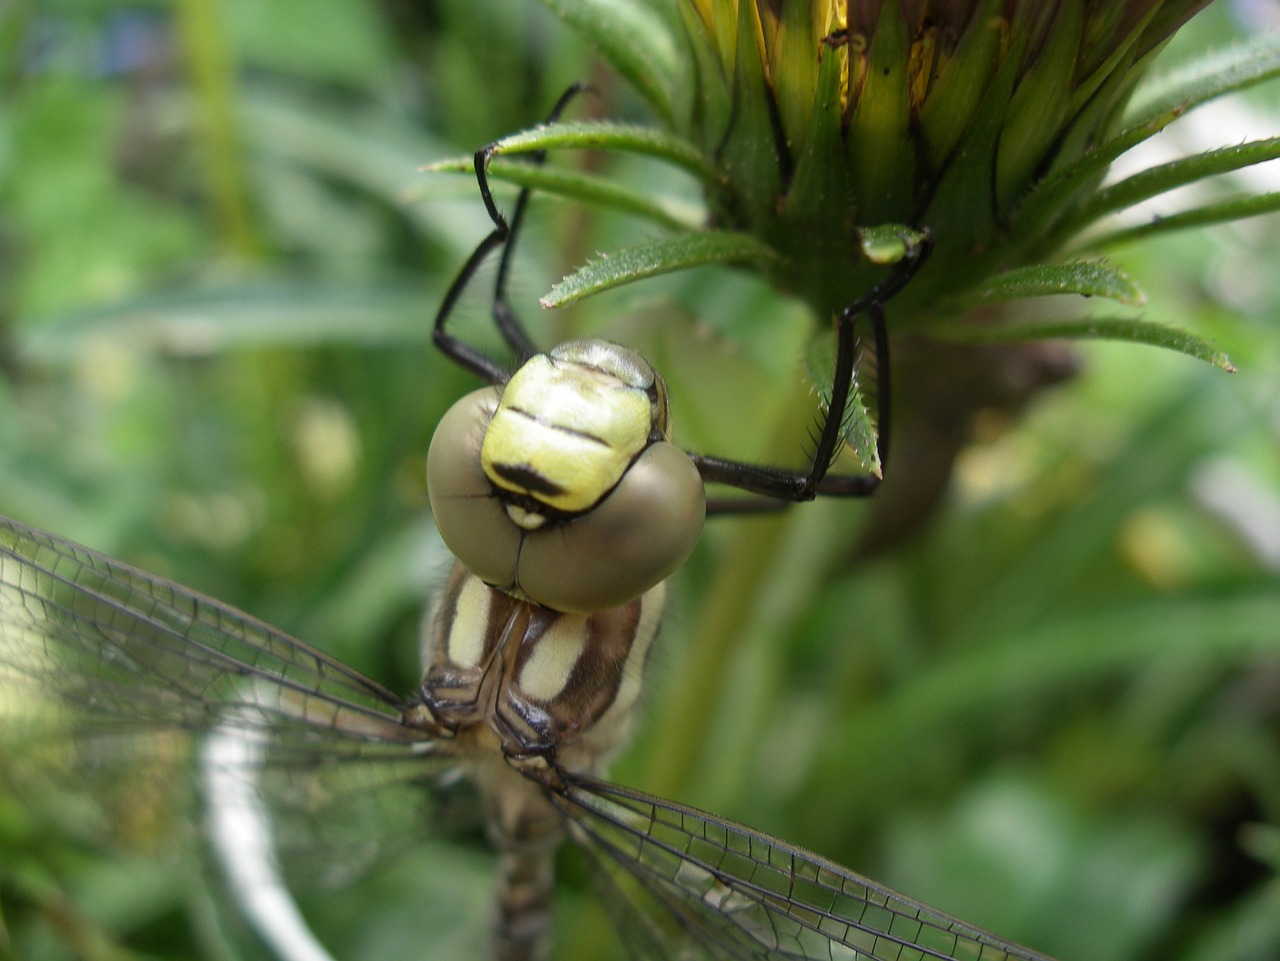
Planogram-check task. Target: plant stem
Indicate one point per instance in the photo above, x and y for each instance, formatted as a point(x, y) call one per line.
point(724, 617)
point(212, 76)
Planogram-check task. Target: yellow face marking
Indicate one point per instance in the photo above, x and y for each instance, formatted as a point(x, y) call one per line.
point(547, 669)
point(565, 433)
point(470, 618)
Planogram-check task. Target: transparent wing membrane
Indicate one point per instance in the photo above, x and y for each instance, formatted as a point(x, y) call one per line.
point(95, 632)
point(741, 894)
point(109, 677)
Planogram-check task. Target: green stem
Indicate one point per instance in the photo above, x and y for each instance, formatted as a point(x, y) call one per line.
point(212, 77)
point(724, 618)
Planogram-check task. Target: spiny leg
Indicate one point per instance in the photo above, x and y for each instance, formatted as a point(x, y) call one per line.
point(503, 235)
point(780, 486)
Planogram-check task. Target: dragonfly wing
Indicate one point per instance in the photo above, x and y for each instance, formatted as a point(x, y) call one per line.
point(94, 632)
point(112, 678)
point(725, 891)
point(654, 921)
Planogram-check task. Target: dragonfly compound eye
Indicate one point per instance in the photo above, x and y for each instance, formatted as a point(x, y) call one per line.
point(558, 488)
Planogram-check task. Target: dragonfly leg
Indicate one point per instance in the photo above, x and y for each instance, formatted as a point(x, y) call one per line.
point(781, 486)
point(503, 235)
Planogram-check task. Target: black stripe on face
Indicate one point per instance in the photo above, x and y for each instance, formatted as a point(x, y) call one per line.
point(526, 478)
point(557, 426)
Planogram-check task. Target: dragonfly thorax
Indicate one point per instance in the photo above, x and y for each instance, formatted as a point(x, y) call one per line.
point(561, 487)
point(544, 684)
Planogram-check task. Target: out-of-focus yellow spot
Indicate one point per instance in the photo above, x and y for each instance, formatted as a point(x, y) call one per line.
point(327, 445)
point(220, 520)
point(106, 369)
point(998, 463)
point(1157, 549)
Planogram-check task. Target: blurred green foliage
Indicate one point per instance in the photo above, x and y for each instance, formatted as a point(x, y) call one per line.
point(1057, 713)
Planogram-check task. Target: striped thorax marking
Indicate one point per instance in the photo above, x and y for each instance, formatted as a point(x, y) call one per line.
point(537, 679)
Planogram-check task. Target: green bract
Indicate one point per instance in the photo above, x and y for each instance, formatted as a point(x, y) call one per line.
point(814, 125)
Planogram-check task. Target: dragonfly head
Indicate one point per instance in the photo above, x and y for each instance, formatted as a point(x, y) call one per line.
point(561, 486)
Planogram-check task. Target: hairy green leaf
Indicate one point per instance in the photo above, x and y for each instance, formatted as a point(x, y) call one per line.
point(859, 431)
point(1043, 203)
point(1087, 278)
point(1157, 104)
point(1236, 208)
point(1096, 328)
point(1165, 177)
point(583, 187)
point(606, 135)
point(664, 256)
point(1208, 77)
point(635, 39)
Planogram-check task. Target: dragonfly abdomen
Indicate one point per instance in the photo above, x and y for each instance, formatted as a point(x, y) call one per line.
point(531, 694)
point(525, 830)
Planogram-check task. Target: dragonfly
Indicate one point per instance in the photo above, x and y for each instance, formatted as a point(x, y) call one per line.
point(566, 506)
point(533, 663)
